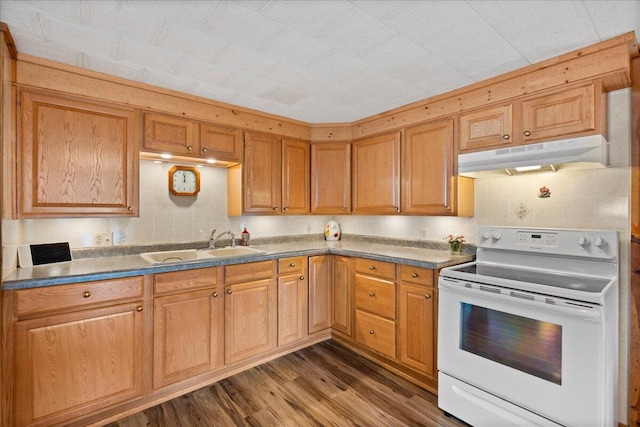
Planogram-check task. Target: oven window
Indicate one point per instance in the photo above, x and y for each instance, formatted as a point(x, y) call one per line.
point(529, 345)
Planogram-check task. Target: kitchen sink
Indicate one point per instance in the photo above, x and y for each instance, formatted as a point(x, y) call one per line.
point(170, 257)
point(233, 251)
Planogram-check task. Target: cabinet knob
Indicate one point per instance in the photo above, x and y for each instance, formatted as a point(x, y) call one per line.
point(190, 148)
point(86, 294)
point(285, 209)
point(139, 308)
point(396, 208)
point(301, 277)
point(275, 208)
point(372, 294)
point(129, 208)
point(448, 208)
point(229, 291)
point(527, 133)
point(293, 264)
point(427, 296)
point(204, 150)
point(414, 275)
point(506, 137)
point(215, 295)
point(371, 332)
point(372, 267)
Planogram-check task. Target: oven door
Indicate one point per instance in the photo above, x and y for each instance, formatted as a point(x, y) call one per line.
point(543, 358)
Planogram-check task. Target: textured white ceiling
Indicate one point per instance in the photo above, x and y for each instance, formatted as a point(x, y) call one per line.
point(316, 61)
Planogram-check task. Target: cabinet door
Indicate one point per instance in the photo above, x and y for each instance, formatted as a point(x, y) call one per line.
point(376, 174)
point(262, 173)
point(77, 158)
point(168, 134)
point(331, 178)
point(187, 335)
point(427, 169)
point(558, 114)
point(489, 127)
point(221, 142)
point(250, 319)
point(74, 364)
point(416, 329)
point(342, 311)
point(320, 303)
point(292, 308)
point(296, 177)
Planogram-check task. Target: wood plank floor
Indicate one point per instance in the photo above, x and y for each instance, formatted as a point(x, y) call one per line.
point(322, 385)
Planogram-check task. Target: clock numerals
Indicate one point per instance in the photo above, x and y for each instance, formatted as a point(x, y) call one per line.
point(184, 181)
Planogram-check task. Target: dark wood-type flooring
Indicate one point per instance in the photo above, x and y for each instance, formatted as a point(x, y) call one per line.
point(322, 385)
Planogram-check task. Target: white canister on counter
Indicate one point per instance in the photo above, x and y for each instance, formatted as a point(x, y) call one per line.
point(332, 231)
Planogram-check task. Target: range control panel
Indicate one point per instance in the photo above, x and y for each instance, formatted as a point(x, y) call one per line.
point(572, 242)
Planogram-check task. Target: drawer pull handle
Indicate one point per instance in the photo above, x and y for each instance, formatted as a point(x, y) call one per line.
point(301, 277)
point(371, 294)
point(506, 137)
point(527, 133)
point(372, 267)
point(229, 291)
point(293, 264)
point(215, 295)
point(371, 332)
point(427, 296)
point(414, 275)
point(86, 294)
point(139, 308)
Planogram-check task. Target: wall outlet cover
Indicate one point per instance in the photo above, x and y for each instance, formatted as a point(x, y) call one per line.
point(103, 239)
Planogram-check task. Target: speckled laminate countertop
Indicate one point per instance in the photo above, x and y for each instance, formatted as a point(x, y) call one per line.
point(81, 270)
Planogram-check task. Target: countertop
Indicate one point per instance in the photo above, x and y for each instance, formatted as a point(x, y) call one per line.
point(111, 267)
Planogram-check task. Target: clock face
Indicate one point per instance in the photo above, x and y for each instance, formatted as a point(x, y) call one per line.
point(184, 181)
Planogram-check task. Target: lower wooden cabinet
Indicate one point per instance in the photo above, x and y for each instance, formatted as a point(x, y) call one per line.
point(292, 300)
point(250, 319)
point(341, 312)
point(320, 284)
point(73, 364)
point(416, 329)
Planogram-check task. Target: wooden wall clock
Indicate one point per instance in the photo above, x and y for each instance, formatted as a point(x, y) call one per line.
point(184, 180)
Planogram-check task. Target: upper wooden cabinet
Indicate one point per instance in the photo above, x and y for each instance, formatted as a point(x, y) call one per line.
point(275, 175)
point(427, 169)
point(567, 112)
point(185, 137)
point(489, 127)
point(376, 174)
point(331, 178)
point(77, 158)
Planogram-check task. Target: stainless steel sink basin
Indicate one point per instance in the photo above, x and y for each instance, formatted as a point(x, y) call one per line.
point(233, 252)
point(170, 257)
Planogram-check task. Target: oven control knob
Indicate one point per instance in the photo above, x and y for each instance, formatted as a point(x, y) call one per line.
point(584, 241)
point(600, 242)
point(486, 235)
point(496, 236)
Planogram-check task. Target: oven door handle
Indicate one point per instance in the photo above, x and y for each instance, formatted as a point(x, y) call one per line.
point(564, 307)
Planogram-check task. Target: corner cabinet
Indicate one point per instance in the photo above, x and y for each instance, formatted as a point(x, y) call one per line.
point(276, 175)
point(376, 174)
point(77, 158)
point(331, 178)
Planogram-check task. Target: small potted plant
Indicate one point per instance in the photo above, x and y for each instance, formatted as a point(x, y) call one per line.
point(455, 242)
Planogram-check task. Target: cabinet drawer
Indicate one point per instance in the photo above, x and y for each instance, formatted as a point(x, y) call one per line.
point(53, 298)
point(375, 296)
point(248, 272)
point(371, 267)
point(290, 265)
point(417, 275)
point(376, 333)
point(177, 281)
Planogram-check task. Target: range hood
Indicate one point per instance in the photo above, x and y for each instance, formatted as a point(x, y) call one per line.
point(576, 153)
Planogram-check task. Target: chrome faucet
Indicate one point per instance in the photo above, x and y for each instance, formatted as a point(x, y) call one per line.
point(213, 240)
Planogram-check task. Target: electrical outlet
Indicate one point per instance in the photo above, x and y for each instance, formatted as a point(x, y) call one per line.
point(103, 239)
point(424, 233)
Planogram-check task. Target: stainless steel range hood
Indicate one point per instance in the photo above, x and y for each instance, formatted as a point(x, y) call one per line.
point(576, 153)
